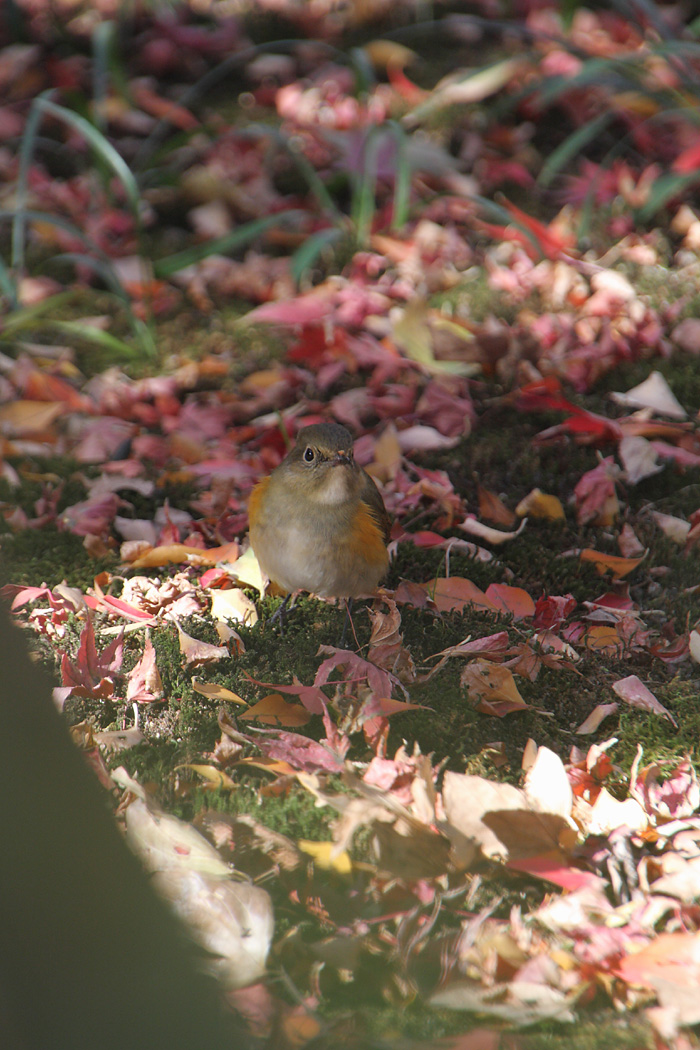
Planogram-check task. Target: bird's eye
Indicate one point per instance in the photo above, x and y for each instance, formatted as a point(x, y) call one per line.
point(309, 455)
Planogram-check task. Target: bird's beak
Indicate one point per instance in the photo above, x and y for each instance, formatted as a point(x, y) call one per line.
point(342, 459)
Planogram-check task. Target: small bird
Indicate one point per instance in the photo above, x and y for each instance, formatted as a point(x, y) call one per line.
point(318, 522)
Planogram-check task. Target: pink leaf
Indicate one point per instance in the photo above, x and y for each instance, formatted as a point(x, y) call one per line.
point(633, 691)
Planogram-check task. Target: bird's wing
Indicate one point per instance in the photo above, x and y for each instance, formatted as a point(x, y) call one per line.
point(372, 497)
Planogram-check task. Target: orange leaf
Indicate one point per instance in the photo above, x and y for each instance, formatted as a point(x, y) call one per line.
point(513, 600)
point(493, 508)
point(604, 640)
point(178, 553)
point(451, 594)
point(274, 710)
point(613, 563)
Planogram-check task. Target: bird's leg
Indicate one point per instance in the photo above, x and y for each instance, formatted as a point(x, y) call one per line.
point(280, 612)
point(348, 620)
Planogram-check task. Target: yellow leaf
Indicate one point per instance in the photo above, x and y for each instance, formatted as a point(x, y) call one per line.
point(323, 856)
point(412, 334)
point(538, 504)
point(217, 692)
point(233, 604)
point(274, 710)
point(216, 777)
point(247, 571)
point(385, 53)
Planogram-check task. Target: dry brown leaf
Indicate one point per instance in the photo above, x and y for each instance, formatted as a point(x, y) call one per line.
point(491, 688)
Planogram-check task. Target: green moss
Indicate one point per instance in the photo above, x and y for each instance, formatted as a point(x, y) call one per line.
point(49, 556)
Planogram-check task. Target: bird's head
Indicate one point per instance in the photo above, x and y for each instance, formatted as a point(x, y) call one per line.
point(322, 464)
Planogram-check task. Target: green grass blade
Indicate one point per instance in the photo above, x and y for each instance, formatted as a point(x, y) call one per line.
point(305, 256)
point(97, 141)
point(27, 316)
point(26, 153)
point(90, 334)
point(573, 145)
point(402, 178)
point(102, 38)
point(8, 288)
point(220, 245)
point(305, 168)
point(101, 267)
point(664, 189)
point(364, 192)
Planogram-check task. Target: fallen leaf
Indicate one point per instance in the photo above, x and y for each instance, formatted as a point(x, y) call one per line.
point(538, 504)
point(639, 459)
point(233, 921)
point(233, 604)
point(145, 685)
point(491, 688)
point(196, 652)
point(326, 857)
point(613, 563)
point(609, 813)
point(633, 691)
point(274, 710)
point(214, 776)
point(22, 418)
point(595, 496)
point(694, 644)
point(214, 691)
point(597, 715)
point(654, 393)
point(519, 1002)
point(676, 529)
point(466, 798)
point(547, 787)
point(493, 508)
point(484, 532)
point(604, 640)
point(247, 571)
point(163, 842)
point(511, 600)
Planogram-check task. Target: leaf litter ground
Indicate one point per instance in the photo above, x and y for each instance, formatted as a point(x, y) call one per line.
point(453, 818)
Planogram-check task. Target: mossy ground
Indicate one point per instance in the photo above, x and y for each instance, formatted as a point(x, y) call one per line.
point(502, 456)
